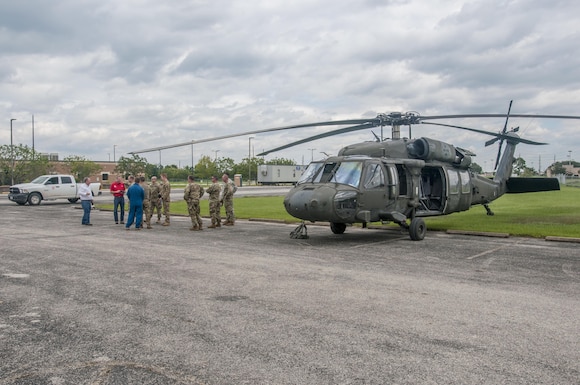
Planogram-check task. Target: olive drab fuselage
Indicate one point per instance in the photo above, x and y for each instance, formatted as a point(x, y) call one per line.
point(394, 181)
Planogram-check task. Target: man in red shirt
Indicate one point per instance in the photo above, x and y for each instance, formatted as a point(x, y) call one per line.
point(118, 191)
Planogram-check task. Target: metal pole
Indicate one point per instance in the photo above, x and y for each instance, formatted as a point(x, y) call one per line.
point(249, 159)
point(114, 157)
point(12, 150)
point(32, 136)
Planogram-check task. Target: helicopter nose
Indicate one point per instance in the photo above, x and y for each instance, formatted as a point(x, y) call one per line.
point(311, 204)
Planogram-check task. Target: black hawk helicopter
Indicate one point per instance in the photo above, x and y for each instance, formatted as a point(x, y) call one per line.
point(399, 180)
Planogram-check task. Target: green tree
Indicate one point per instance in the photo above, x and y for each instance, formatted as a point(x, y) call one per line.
point(28, 164)
point(476, 168)
point(81, 167)
point(205, 168)
point(134, 165)
point(281, 161)
point(558, 168)
point(248, 166)
point(152, 169)
point(225, 165)
point(174, 173)
point(519, 166)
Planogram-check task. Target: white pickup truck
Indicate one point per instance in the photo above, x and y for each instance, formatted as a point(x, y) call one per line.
point(48, 187)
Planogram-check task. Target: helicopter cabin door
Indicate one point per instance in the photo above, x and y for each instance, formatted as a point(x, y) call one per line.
point(459, 190)
point(374, 194)
point(432, 191)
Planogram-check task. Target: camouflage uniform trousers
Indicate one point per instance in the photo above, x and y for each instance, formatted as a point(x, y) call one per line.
point(214, 212)
point(229, 206)
point(166, 209)
point(147, 211)
point(156, 205)
point(194, 211)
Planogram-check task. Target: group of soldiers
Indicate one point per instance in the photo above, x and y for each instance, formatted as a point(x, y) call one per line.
point(146, 199)
point(193, 193)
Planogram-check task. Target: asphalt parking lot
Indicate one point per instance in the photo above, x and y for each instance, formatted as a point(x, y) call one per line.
point(248, 305)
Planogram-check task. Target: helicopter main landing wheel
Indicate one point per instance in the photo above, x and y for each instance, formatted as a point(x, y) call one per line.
point(337, 228)
point(417, 229)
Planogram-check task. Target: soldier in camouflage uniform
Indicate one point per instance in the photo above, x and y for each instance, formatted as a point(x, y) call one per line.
point(228, 199)
point(192, 194)
point(155, 199)
point(214, 203)
point(165, 192)
point(146, 203)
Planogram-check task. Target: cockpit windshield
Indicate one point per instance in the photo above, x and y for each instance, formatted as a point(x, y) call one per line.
point(310, 171)
point(347, 172)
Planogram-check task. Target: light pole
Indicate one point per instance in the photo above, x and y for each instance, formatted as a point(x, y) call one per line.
point(192, 158)
point(249, 159)
point(215, 158)
point(114, 157)
point(12, 150)
point(569, 157)
point(312, 154)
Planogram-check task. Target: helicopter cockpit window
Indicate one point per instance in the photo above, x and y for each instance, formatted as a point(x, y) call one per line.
point(348, 173)
point(374, 177)
point(310, 172)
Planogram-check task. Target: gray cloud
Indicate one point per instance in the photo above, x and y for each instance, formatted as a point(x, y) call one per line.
point(137, 74)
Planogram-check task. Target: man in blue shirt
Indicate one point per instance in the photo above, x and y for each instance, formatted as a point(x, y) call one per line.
point(136, 195)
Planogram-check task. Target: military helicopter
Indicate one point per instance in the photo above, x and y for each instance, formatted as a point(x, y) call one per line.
point(400, 180)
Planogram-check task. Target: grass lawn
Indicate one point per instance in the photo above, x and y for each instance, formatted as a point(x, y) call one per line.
point(553, 213)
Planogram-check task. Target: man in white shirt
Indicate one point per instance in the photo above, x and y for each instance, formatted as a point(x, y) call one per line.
point(86, 196)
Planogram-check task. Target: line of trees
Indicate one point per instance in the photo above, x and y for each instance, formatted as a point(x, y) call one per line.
point(22, 164)
point(204, 169)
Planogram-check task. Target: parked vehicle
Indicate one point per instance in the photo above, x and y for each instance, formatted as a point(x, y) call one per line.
point(48, 187)
point(270, 174)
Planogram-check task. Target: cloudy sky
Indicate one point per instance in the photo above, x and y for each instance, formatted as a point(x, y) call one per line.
point(103, 78)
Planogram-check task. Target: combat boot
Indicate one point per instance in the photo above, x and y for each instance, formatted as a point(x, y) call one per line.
point(211, 227)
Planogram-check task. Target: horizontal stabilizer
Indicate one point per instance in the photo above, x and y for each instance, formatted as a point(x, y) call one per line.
point(526, 185)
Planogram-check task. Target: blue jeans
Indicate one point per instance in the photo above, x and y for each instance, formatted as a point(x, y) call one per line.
point(119, 202)
point(86, 212)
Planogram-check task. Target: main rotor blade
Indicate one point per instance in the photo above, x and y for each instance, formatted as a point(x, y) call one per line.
point(328, 123)
point(320, 136)
point(460, 116)
point(380, 120)
point(497, 136)
point(462, 128)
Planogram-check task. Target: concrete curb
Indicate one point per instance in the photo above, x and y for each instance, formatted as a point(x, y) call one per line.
point(562, 239)
point(479, 233)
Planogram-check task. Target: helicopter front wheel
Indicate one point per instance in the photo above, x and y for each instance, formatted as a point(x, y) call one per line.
point(337, 228)
point(417, 229)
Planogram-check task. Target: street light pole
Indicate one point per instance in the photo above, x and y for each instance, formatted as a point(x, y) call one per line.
point(312, 154)
point(114, 157)
point(249, 159)
point(12, 150)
